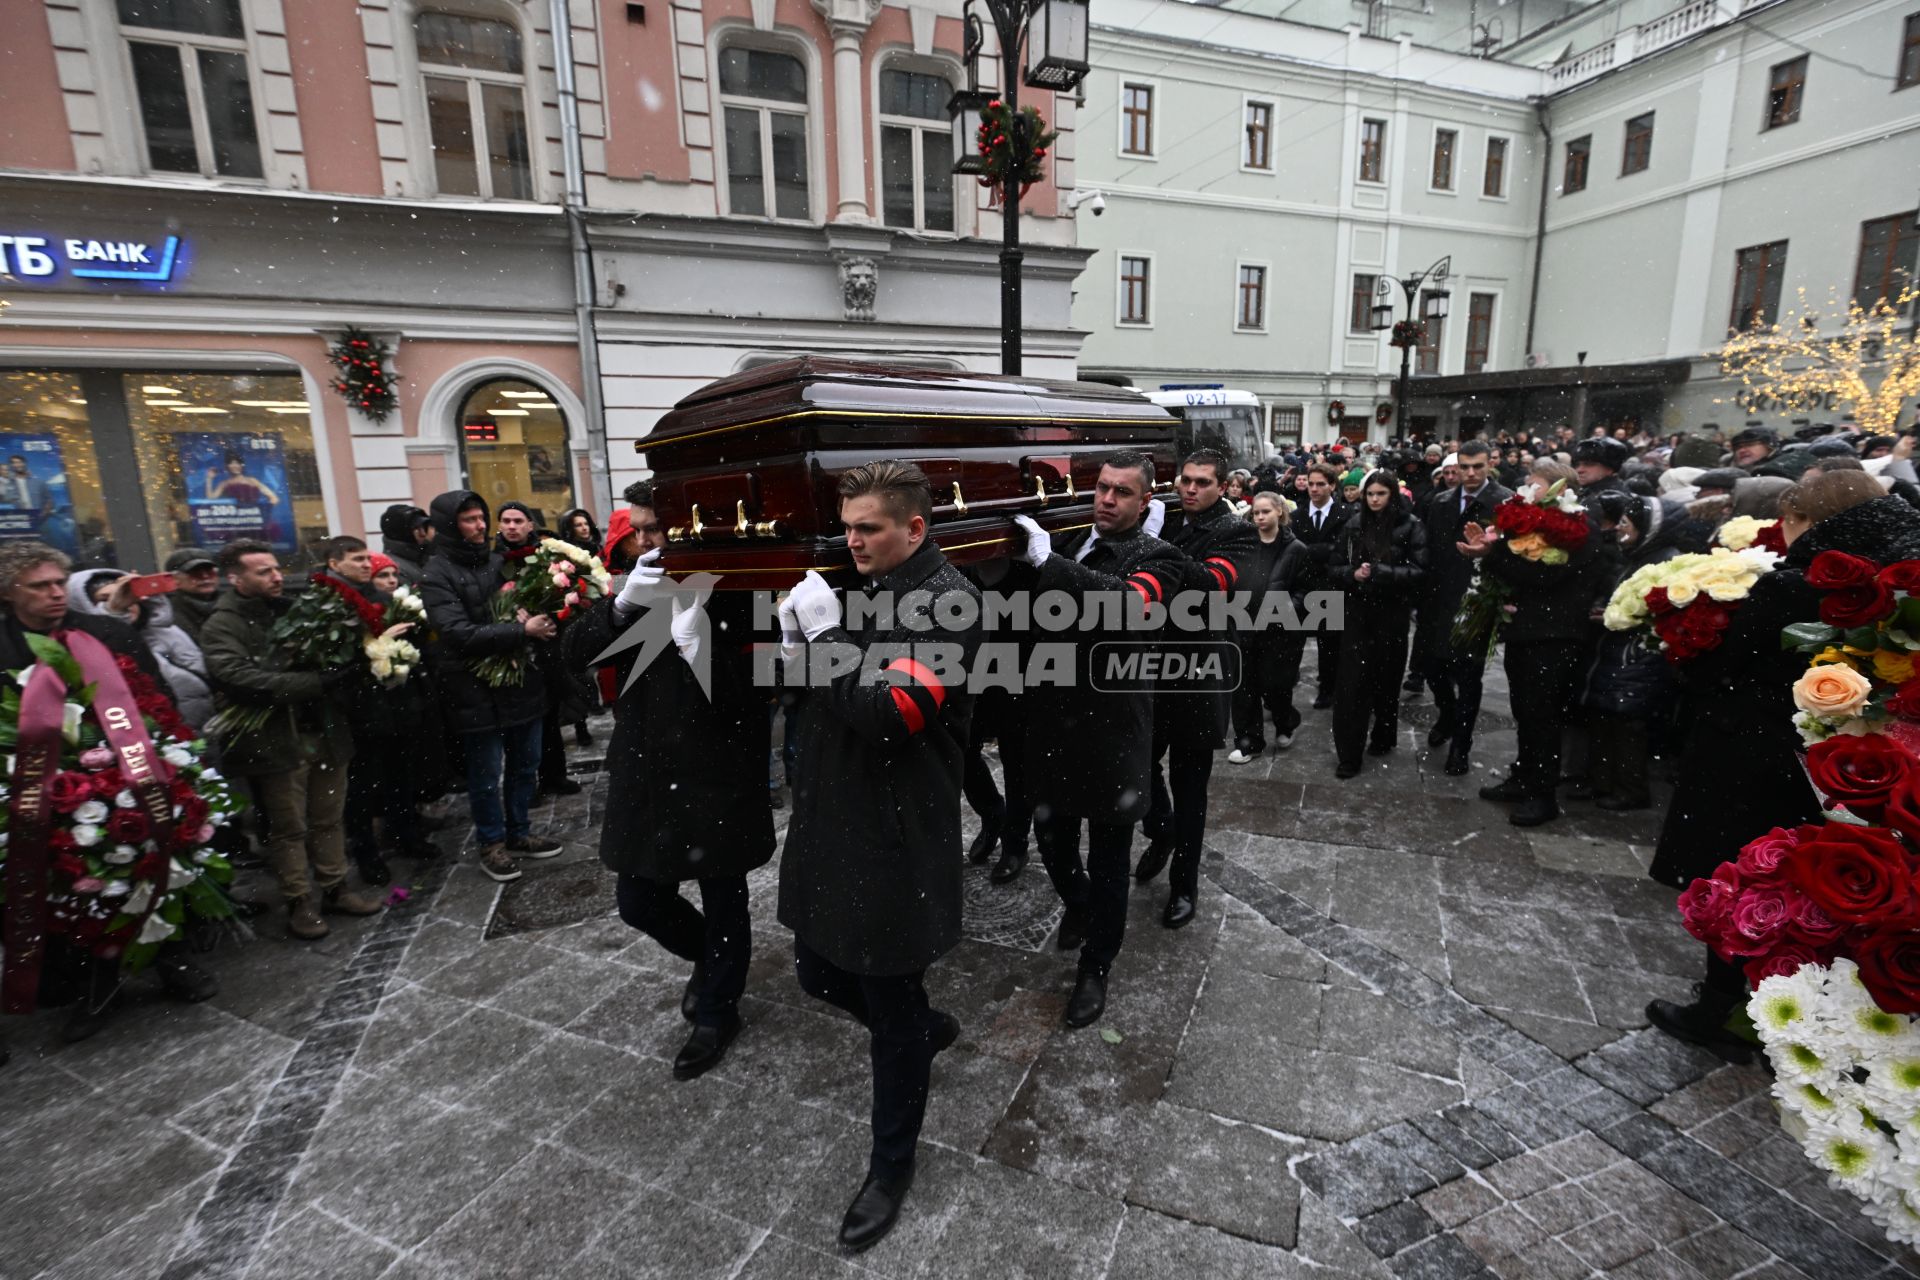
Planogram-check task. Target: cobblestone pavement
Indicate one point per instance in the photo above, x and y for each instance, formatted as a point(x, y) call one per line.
point(1404, 1039)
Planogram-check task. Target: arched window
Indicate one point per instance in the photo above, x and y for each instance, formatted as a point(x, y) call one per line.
point(763, 95)
point(916, 150)
point(514, 439)
point(474, 74)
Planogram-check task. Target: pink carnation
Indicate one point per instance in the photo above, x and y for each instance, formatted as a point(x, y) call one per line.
point(1760, 915)
point(1760, 860)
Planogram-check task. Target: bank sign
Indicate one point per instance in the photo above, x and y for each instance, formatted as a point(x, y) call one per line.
point(33, 259)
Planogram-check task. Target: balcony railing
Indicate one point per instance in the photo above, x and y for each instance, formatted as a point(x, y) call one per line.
point(1650, 37)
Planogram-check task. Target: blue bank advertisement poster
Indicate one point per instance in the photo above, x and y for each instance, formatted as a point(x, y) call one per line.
point(34, 501)
point(236, 486)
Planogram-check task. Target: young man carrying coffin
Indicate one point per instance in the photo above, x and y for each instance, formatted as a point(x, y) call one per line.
point(1089, 750)
point(870, 878)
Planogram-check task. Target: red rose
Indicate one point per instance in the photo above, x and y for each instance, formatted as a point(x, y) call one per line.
point(1902, 811)
point(1889, 963)
point(107, 784)
point(193, 813)
point(1858, 771)
point(1857, 875)
point(1856, 606)
point(152, 705)
point(1771, 538)
point(128, 826)
point(1658, 601)
point(1905, 701)
point(1902, 575)
point(1783, 961)
point(69, 865)
point(1837, 571)
point(61, 840)
point(68, 790)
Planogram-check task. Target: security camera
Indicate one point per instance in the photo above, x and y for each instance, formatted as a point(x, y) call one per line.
point(1099, 204)
point(1092, 198)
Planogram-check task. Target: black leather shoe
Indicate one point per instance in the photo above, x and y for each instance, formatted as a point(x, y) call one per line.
point(1089, 999)
point(1152, 861)
point(5, 1053)
point(1697, 1024)
point(373, 867)
point(873, 1212)
point(1439, 733)
point(1380, 748)
point(946, 1033)
point(1576, 788)
point(982, 847)
point(419, 848)
point(704, 1049)
point(690, 998)
point(1073, 932)
point(560, 787)
point(1323, 703)
point(1534, 811)
point(1346, 771)
point(1007, 870)
point(182, 979)
point(1506, 791)
point(1179, 912)
point(1622, 804)
point(1456, 765)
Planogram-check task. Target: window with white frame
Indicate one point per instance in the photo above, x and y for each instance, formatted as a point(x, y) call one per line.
point(1446, 143)
point(190, 75)
point(1251, 299)
point(473, 71)
point(1257, 151)
point(1287, 419)
point(1136, 119)
point(916, 150)
point(1136, 272)
point(763, 99)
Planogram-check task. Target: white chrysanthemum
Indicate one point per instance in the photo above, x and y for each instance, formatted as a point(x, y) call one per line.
point(1871, 1032)
point(1805, 1062)
point(1892, 1089)
point(1782, 1006)
point(1856, 1156)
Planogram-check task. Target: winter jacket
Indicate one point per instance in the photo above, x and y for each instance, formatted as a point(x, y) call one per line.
point(1090, 750)
point(307, 725)
point(1218, 546)
point(113, 633)
point(1393, 584)
point(458, 587)
point(397, 544)
point(687, 773)
point(190, 612)
point(1628, 676)
point(870, 877)
point(1553, 601)
point(178, 656)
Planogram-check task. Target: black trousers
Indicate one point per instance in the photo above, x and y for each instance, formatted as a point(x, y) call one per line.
point(1269, 673)
point(553, 749)
point(380, 784)
point(1327, 644)
point(1183, 813)
point(1013, 815)
point(717, 936)
point(1617, 756)
point(1541, 675)
point(1095, 892)
point(1366, 699)
point(900, 1026)
point(1454, 673)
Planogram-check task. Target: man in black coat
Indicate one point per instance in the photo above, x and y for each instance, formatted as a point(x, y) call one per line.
point(1090, 748)
point(406, 536)
point(1546, 641)
point(1597, 463)
point(687, 794)
point(500, 725)
point(1317, 524)
point(1454, 672)
point(870, 880)
point(1188, 727)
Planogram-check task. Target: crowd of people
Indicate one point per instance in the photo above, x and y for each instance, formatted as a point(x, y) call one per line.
point(345, 771)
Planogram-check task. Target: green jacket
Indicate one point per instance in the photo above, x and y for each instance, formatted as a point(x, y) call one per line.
point(307, 725)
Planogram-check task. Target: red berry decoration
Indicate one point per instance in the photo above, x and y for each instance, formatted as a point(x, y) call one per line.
point(366, 379)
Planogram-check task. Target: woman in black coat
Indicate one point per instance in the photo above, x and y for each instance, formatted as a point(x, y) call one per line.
point(687, 800)
point(1740, 772)
point(1379, 559)
point(1269, 657)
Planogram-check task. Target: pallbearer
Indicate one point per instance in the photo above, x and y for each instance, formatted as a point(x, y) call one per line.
point(870, 880)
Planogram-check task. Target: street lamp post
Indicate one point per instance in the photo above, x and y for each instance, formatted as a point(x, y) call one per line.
point(1055, 35)
point(1435, 308)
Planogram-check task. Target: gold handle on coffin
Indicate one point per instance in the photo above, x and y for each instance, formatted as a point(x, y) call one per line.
point(959, 500)
point(740, 526)
point(698, 528)
point(1040, 489)
point(1071, 495)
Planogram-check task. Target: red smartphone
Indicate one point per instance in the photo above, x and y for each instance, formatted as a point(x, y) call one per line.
point(152, 584)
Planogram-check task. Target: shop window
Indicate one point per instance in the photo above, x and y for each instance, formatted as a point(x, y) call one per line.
point(763, 97)
point(916, 151)
point(49, 475)
point(190, 76)
point(514, 439)
point(476, 90)
point(219, 458)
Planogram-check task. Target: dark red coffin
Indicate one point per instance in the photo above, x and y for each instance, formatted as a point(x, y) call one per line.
point(746, 468)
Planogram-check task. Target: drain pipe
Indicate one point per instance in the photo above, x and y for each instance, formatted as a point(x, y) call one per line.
point(1540, 219)
point(599, 473)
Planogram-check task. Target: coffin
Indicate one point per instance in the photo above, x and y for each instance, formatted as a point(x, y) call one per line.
point(746, 468)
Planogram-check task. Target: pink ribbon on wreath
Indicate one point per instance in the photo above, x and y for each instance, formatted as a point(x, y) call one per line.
point(30, 820)
point(126, 732)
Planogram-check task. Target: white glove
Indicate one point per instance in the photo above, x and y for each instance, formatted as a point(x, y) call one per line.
point(1156, 517)
point(639, 589)
point(685, 625)
point(814, 605)
point(1039, 542)
point(790, 634)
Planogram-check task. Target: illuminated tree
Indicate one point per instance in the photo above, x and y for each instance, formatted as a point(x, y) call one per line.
point(1871, 368)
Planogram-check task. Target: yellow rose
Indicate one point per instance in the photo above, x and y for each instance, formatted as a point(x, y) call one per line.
point(1893, 666)
point(1831, 655)
point(1530, 545)
point(1833, 692)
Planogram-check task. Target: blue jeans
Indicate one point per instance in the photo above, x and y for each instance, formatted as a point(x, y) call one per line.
point(518, 750)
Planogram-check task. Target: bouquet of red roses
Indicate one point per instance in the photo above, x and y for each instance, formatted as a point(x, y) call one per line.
point(549, 576)
point(109, 813)
point(1546, 526)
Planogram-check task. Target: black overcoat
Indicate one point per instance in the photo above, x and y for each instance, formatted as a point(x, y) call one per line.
point(457, 588)
point(1448, 572)
point(687, 794)
point(1220, 548)
point(1090, 751)
point(870, 877)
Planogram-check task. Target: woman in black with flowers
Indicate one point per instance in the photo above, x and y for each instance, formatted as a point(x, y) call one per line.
point(1379, 559)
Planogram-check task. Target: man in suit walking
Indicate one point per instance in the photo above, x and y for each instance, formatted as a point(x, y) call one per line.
point(1454, 672)
point(1317, 525)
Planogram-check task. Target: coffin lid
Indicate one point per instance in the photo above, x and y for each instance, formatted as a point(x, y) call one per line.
point(829, 385)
